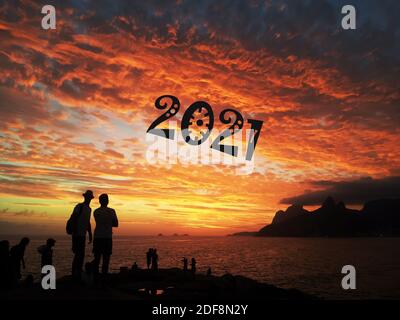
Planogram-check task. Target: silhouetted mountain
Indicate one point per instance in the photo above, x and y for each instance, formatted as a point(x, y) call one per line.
point(377, 218)
point(291, 212)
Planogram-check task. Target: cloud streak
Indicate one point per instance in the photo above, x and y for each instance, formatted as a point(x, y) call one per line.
point(354, 192)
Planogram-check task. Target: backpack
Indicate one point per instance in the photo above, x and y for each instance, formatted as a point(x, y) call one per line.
point(73, 221)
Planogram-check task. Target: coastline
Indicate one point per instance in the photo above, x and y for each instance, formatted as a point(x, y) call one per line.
point(162, 285)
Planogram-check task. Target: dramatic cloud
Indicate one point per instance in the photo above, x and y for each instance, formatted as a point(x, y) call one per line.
point(350, 192)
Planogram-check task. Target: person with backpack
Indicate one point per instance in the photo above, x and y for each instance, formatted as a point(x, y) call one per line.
point(77, 226)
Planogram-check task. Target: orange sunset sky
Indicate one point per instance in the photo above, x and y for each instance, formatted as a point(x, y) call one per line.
point(75, 104)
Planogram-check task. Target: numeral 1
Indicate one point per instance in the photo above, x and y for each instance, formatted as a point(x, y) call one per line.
point(255, 130)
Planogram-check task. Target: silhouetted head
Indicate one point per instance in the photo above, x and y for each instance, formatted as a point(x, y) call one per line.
point(88, 195)
point(24, 241)
point(103, 199)
point(51, 242)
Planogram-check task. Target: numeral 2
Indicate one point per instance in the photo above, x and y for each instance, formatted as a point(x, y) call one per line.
point(236, 126)
point(172, 111)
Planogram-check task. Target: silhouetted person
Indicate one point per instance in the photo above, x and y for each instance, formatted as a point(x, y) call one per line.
point(81, 225)
point(17, 253)
point(185, 264)
point(149, 254)
point(106, 219)
point(135, 266)
point(154, 260)
point(193, 266)
point(5, 264)
point(46, 252)
point(208, 272)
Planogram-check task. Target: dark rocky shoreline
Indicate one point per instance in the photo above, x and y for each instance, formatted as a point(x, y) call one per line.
point(162, 285)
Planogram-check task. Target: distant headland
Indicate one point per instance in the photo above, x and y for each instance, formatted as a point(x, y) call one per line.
point(377, 218)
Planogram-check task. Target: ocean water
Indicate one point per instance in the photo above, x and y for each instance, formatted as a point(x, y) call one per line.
point(312, 265)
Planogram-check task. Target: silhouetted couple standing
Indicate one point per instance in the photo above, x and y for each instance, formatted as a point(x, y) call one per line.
point(152, 259)
point(193, 265)
point(79, 223)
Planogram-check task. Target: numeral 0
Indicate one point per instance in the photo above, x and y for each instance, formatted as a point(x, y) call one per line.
point(201, 116)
